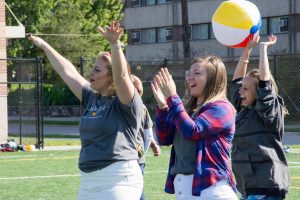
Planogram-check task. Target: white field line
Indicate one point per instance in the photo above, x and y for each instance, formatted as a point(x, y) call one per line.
point(34, 159)
point(75, 175)
point(290, 167)
point(294, 162)
point(37, 177)
point(22, 156)
point(58, 176)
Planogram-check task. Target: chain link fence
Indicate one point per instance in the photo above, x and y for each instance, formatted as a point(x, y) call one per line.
point(285, 69)
point(25, 89)
point(287, 76)
point(25, 116)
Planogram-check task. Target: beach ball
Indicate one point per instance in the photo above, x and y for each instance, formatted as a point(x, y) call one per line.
point(235, 22)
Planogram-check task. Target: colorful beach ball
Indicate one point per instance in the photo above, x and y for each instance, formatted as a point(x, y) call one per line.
point(235, 22)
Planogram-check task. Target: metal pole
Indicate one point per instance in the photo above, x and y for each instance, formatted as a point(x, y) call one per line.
point(185, 29)
point(81, 65)
point(20, 115)
point(41, 102)
point(37, 136)
point(82, 74)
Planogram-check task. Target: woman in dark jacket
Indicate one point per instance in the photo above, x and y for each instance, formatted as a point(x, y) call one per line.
point(258, 159)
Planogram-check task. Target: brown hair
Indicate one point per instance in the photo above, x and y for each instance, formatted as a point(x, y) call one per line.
point(254, 73)
point(216, 85)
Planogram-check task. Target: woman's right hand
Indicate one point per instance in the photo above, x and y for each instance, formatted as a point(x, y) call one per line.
point(113, 33)
point(159, 96)
point(37, 41)
point(252, 42)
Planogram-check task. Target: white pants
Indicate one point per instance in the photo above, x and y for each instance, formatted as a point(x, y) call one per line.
point(121, 180)
point(219, 191)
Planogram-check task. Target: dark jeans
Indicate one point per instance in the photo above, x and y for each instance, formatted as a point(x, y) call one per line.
point(142, 166)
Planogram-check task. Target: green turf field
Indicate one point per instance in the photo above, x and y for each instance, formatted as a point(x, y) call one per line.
point(53, 175)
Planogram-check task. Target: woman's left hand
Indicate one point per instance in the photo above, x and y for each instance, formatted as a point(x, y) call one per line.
point(166, 83)
point(112, 33)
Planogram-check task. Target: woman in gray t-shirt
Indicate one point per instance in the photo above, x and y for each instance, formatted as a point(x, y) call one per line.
point(110, 122)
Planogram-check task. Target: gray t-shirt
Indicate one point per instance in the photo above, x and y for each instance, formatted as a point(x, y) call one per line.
point(145, 124)
point(185, 155)
point(108, 129)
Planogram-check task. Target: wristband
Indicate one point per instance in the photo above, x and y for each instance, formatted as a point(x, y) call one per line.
point(117, 46)
point(244, 61)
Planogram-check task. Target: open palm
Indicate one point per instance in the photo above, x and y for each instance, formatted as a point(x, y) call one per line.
point(272, 39)
point(112, 33)
point(158, 95)
point(37, 41)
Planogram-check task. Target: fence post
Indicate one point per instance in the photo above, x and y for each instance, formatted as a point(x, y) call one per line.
point(82, 74)
point(81, 65)
point(275, 68)
point(20, 114)
point(39, 121)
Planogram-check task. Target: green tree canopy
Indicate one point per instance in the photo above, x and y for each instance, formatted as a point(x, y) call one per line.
point(70, 26)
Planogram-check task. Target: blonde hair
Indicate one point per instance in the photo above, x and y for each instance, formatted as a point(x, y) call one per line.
point(216, 85)
point(138, 85)
point(105, 56)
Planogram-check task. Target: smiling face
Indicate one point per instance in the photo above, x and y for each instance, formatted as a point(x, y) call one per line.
point(197, 78)
point(101, 76)
point(248, 90)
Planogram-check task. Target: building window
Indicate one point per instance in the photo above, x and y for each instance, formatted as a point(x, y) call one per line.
point(163, 1)
point(200, 31)
point(135, 37)
point(135, 2)
point(147, 2)
point(190, 31)
point(164, 34)
point(148, 36)
point(211, 32)
point(279, 25)
point(169, 34)
point(264, 27)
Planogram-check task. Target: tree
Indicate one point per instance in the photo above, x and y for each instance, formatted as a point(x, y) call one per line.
point(33, 15)
point(185, 29)
point(71, 26)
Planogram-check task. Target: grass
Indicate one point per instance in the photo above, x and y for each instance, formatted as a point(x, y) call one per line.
point(292, 130)
point(48, 175)
point(47, 122)
point(51, 140)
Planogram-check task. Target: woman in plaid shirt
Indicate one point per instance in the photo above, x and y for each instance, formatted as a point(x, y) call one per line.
point(200, 133)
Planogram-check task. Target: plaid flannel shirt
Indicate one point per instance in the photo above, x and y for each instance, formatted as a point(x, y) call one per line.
point(213, 129)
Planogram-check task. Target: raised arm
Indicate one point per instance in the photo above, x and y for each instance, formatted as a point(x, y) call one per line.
point(241, 68)
point(121, 77)
point(62, 66)
point(264, 69)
